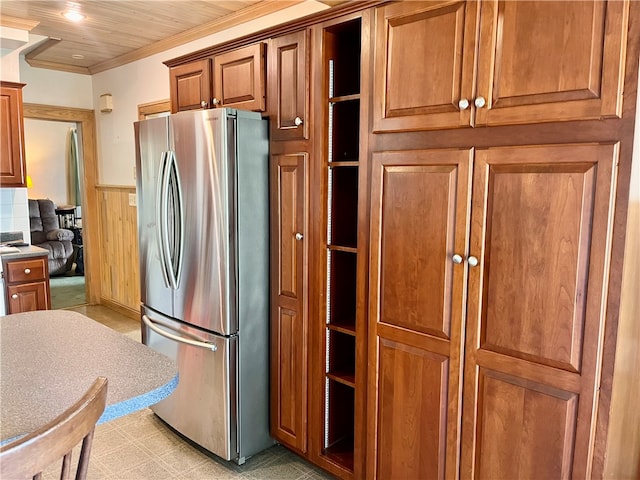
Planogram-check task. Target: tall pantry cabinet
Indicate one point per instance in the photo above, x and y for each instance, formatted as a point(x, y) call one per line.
point(490, 247)
point(288, 73)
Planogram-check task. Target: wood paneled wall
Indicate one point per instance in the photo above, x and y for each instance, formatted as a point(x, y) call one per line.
point(120, 270)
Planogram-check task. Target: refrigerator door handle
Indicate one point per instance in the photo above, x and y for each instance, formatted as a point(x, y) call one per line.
point(160, 223)
point(176, 249)
point(153, 326)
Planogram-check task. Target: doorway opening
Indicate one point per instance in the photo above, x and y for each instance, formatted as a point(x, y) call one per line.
point(84, 122)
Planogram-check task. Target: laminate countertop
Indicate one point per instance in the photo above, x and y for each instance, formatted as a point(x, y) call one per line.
point(24, 252)
point(49, 358)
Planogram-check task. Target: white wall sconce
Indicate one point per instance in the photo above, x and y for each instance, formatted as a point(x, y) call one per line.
point(106, 103)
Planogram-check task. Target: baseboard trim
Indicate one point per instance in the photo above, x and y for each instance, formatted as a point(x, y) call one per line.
point(124, 310)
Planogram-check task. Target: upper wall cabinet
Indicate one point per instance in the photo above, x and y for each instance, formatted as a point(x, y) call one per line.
point(537, 61)
point(239, 78)
point(190, 86)
point(12, 159)
point(288, 78)
point(233, 79)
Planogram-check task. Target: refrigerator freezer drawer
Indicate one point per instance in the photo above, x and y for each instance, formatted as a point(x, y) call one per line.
point(204, 405)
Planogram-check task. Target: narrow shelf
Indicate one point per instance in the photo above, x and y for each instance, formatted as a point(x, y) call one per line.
point(345, 98)
point(341, 452)
point(345, 378)
point(340, 248)
point(343, 163)
point(343, 327)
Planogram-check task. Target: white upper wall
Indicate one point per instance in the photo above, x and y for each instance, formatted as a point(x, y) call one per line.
point(52, 87)
point(139, 82)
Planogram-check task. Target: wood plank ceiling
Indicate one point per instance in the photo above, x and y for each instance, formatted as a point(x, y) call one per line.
point(116, 32)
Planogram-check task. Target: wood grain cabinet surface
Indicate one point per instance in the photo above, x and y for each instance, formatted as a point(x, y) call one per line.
point(191, 87)
point(239, 78)
point(537, 61)
point(527, 276)
point(288, 86)
point(12, 159)
point(27, 284)
point(289, 284)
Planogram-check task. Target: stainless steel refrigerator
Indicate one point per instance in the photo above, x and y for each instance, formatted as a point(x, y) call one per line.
point(202, 192)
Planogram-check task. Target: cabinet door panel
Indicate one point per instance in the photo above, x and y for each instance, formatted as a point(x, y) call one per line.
point(240, 78)
point(536, 300)
point(412, 412)
point(288, 298)
point(190, 86)
point(288, 86)
point(12, 160)
point(419, 218)
point(511, 415)
point(545, 61)
point(440, 38)
point(28, 297)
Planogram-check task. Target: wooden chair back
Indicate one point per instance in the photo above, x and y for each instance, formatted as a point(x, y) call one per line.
point(28, 456)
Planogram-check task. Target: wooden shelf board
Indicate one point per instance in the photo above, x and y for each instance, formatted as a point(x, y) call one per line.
point(345, 98)
point(345, 378)
point(349, 329)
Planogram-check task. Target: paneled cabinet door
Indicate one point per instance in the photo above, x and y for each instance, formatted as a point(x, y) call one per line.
point(537, 61)
point(239, 78)
point(424, 65)
point(289, 300)
point(420, 212)
point(550, 60)
point(191, 86)
point(27, 297)
point(288, 74)
point(536, 309)
point(12, 159)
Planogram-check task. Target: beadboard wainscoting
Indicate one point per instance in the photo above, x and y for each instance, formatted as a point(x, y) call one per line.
point(120, 270)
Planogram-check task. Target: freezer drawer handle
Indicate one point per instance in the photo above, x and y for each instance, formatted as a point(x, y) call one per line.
point(149, 323)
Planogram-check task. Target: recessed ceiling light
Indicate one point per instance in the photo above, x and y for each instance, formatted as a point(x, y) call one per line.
point(77, 56)
point(73, 15)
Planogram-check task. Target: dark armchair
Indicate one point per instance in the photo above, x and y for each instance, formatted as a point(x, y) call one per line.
point(46, 233)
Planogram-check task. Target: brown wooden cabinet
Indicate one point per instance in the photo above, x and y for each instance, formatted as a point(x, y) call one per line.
point(527, 274)
point(27, 284)
point(537, 61)
point(536, 309)
point(289, 299)
point(288, 86)
point(191, 87)
point(12, 159)
point(339, 362)
point(234, 79)
point(455, 306)
point(417, 310)
point(239, 78)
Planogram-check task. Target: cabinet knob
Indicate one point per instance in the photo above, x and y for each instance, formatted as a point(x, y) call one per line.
point(203, 104)
point(299, 236)
point(457, 259)
point(215, 101)
point(27, 271)
point(463, 104)
point(480, 102)
point(14, 296)
point(297, 121)
point(472, 261)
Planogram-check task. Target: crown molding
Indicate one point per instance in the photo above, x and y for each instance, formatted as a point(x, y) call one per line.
point(19, 23)
point(241, 16)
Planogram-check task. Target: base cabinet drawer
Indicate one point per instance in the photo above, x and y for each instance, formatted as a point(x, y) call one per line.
point(27, 284)
point(26, 270)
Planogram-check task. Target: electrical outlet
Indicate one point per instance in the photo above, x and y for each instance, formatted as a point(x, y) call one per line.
point(132, 200)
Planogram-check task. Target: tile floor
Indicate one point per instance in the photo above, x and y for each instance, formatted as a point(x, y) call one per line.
point(141, 446)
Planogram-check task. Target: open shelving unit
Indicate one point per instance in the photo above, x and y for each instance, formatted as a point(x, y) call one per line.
point(341, 47)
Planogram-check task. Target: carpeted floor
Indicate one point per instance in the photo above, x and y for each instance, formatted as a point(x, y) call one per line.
point(67, 290)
